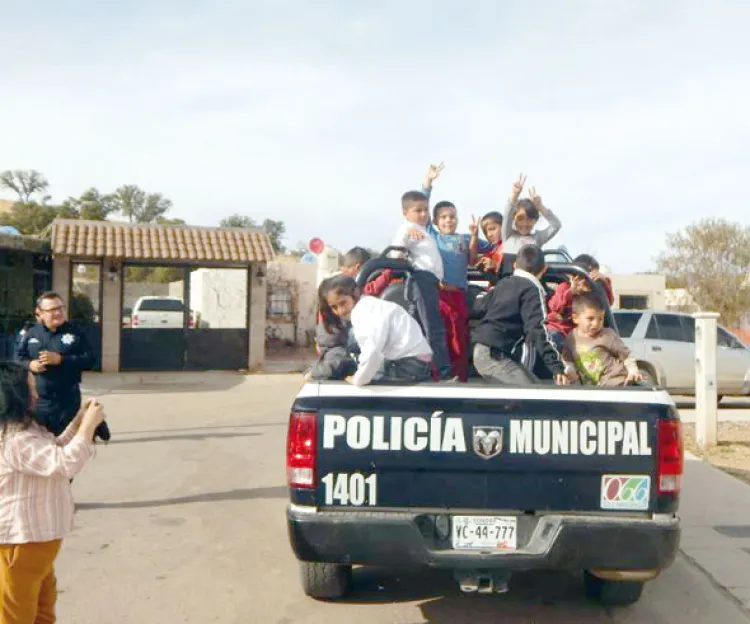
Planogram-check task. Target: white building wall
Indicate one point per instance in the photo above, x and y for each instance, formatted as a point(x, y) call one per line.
point(650, 286)
point(300, 281)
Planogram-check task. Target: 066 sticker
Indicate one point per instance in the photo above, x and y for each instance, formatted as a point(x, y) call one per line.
point(350, 489)
point(626, 492)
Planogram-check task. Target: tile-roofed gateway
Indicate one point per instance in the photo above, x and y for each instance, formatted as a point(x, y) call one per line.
point(176, 243)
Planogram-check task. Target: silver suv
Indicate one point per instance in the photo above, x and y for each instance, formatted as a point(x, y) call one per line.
point(663, 343)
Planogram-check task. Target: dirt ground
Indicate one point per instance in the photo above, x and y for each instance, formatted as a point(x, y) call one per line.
point(733, 451)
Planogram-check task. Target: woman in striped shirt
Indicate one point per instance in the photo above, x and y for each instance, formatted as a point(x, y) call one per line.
point(36, 502)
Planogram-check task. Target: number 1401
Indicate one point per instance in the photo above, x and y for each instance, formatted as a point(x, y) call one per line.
point(350, 489)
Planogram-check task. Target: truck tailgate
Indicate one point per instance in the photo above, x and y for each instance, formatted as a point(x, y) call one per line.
point(478, 448)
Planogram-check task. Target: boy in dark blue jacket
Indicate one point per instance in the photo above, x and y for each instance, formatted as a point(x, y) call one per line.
point(514, 315)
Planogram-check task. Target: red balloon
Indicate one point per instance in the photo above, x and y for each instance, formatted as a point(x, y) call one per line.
point(316, 245)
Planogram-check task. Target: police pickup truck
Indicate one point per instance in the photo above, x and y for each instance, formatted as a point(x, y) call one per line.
point(485, 480)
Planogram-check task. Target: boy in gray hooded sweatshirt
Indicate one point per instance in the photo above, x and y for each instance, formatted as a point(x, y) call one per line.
point(520, 218)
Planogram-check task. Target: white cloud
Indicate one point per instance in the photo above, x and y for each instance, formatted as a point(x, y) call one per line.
point(630, 118)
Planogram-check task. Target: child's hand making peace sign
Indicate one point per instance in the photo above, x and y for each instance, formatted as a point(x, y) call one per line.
point(433, 173)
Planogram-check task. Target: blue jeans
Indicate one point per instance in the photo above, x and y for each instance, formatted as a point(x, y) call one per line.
point(409, 369)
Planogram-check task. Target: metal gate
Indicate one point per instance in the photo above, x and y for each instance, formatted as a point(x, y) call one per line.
point(160, 332)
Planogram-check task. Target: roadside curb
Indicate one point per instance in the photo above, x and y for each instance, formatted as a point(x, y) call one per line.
point(727, 592)
point(715, 534)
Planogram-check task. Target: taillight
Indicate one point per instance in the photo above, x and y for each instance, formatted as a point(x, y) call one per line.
point(301, 449)
point(671, 459)
point(134, 320)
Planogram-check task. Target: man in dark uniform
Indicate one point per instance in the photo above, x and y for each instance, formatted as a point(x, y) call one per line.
point(56, 353)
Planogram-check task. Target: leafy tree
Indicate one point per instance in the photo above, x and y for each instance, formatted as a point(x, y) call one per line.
point(153, 274)
point(711, 259)
point(82, 308)
point(91, 205)
point(275, 231)
point(238, 221)
point(165, 221)
point(67, 210)
point(30, 218)
point(25, 183)
point(138, 206)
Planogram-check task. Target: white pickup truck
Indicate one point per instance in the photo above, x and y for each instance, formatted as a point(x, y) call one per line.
point(663, 343)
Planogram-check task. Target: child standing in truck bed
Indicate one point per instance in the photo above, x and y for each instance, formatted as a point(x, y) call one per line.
point(521, 216)
point(429, 272)
point(458, 252)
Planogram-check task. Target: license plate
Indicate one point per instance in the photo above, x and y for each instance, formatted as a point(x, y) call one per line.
point(484, 532)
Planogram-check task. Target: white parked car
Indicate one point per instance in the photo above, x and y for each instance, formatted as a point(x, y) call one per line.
point(156, 312)
point(663, 343)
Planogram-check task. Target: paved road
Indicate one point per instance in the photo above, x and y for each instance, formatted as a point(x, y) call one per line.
point(181, 519)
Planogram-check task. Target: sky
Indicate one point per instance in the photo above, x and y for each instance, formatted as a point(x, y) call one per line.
point(631, 118)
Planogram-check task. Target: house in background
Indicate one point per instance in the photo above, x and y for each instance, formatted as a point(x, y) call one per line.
point(25, 273)
point(639, 291)
point(122, 268)
point(293, 297)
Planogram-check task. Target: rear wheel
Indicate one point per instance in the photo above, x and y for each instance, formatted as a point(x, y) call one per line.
point(612, 593)
point(324, 580)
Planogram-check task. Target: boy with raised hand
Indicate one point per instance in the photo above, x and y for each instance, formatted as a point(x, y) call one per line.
point(425, 256)
point(458, 252)
point(522, 215)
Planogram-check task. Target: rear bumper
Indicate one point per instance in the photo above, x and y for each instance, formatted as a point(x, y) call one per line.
point(397, 539)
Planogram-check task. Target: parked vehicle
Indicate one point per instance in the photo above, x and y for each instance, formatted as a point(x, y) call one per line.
point(664, 345)
point(127, 317)
point(484, 480)
point(156, 312)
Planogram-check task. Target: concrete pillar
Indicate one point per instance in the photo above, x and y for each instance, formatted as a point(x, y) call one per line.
point(706, 399)
point(258, 296)
point(111, 309)
point(61, 278)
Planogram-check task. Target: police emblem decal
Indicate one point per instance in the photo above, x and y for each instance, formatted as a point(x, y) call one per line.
point(487, 442)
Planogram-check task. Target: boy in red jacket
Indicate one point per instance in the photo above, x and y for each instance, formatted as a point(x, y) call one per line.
point(560, 304)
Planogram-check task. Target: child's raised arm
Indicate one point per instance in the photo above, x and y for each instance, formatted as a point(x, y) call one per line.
point(543, 236)
point(510, 209)
point(433, 173)
point(473, 240)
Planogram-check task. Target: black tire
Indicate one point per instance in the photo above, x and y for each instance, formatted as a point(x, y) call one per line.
point(324, 580)
point(612, 593)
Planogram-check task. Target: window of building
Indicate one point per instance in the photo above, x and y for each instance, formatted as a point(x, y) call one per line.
point(280, 302)
point(634, 302)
